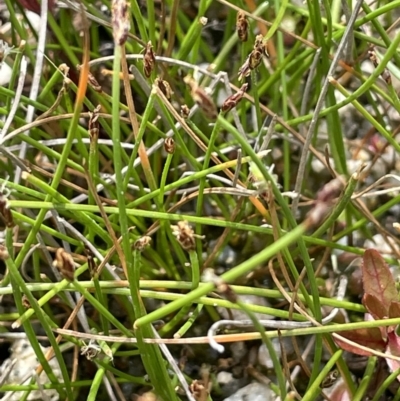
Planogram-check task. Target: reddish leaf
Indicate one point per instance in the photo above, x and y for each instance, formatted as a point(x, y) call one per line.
point(376, 311)
point(394, 310)
point(393, 348)
point(33, 5)
point(377, 279)
point(371, 338)
point(375, 307)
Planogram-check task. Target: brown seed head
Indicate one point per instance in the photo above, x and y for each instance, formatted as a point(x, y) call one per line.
point(244, 70)
point(198, 390)
point(142, 243)
point(185, 235)
point(165, 87)
point(372, 57)
point(120, 21)
point(94, 124)
point(25, 302)
point(5, 212)
point(185, 111)
point(149, 60)
point(254, 58)
point(242, 26)
point(234, 99)
point(90, 260)
point(169, 145)
point(94, 84)
point(65, 264)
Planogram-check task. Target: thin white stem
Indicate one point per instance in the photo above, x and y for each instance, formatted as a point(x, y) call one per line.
point(37, 74)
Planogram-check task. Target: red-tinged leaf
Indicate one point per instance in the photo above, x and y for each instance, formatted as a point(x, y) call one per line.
point(375, 307)
point(33, 5)
point(376, 311)
point(394, 310)
point(370, 338)
point(393, 348)
point(377, 279)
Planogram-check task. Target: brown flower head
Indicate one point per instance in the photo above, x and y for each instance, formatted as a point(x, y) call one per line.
point(165, 87)
point(94, 124)
point(149, 60)
point(254, 58)
point(169, 145)
point(142, 243)
point(185, 235)
point(120, 21)
point(232, 101)
point(65, 264)
point(242, 26)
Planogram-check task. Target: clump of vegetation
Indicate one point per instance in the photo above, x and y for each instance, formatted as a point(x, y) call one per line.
point(186, 185)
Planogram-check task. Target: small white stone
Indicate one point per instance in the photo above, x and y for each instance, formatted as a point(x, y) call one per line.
point(379, 243)
point(238, 350)
point(24, 368)
point(253, 392)
point(5, 74)
point(264, 357)
point(34, 20)
point(224, 378)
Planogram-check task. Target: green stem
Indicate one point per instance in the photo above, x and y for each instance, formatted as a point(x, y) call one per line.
point(230, 276)
point(314, 390)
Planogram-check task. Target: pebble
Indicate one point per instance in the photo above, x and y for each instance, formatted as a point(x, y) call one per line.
point(5, 74)
point(379, 243)
point(238, 350)
point(253, 392)
point(264, 357)
point(24, 367)
point(229, 384)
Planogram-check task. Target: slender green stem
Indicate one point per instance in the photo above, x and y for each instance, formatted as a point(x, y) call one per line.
point(230, 276)
point(117, 158)
point(366, 380)
point(268, 343)
point(150, 353)
point(387, 382)
point(18, 286)
point(368, 116)
point(314, 390)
